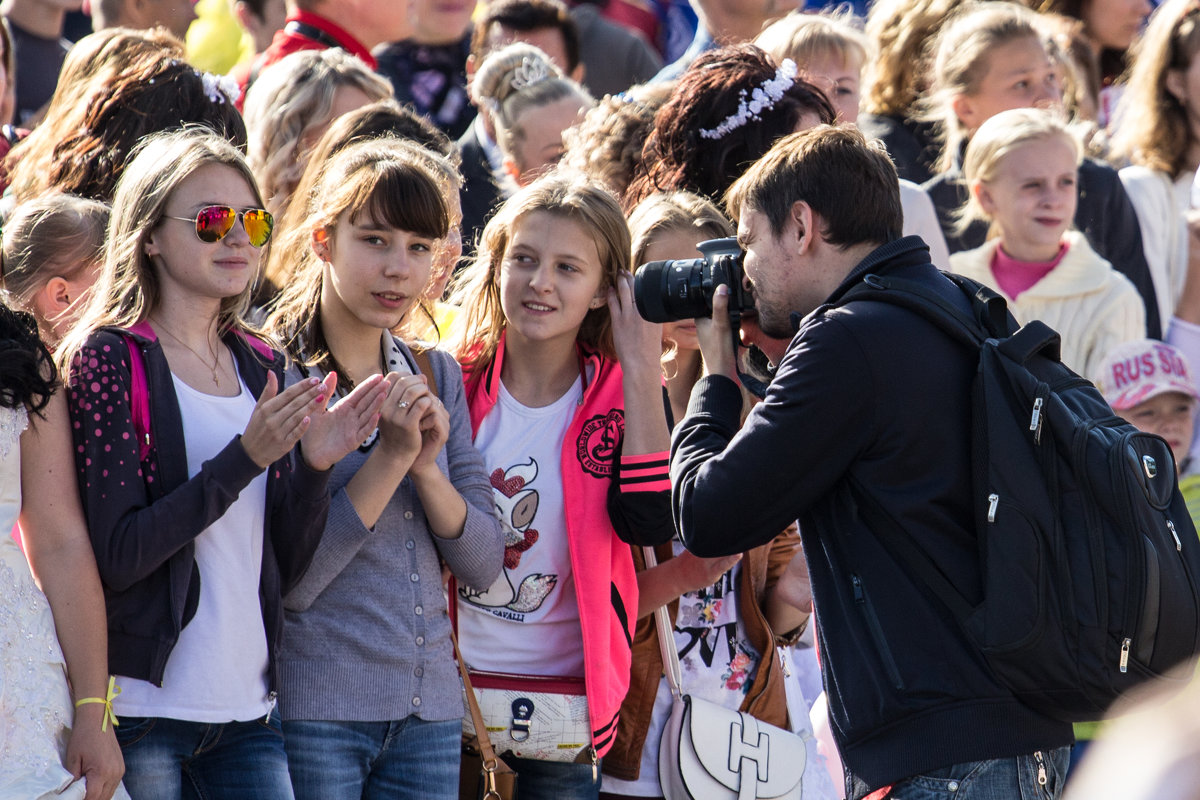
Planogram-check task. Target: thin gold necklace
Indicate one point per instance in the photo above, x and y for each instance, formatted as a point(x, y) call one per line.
point(216, 358)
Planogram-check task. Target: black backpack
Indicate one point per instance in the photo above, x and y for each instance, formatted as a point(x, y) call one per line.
point(1089, 559)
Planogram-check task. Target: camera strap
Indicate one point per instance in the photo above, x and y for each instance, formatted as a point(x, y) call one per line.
point(753, 385)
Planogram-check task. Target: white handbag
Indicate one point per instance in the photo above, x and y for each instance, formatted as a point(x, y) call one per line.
point(709, 752)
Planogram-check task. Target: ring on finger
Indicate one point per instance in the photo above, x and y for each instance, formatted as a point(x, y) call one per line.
point(403, 404)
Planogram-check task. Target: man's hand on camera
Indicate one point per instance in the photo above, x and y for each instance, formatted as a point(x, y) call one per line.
point(716, 337)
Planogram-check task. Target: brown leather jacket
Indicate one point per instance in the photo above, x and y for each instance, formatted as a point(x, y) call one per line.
point(765, 700)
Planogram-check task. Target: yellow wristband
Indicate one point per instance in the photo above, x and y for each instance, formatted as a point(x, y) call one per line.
point(113, 691)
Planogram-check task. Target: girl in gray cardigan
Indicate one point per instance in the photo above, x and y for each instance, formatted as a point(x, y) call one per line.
point(370, 695)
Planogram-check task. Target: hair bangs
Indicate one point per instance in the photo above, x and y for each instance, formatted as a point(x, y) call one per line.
point(398, 195)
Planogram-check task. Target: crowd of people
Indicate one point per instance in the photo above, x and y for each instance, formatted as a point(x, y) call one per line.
point(321, 361)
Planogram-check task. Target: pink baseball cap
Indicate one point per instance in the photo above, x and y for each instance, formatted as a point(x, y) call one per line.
point(1134, 372)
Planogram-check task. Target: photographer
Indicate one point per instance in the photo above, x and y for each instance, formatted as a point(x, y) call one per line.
point(867, 417)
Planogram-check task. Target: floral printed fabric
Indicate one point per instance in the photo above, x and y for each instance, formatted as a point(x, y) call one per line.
point(718, 662)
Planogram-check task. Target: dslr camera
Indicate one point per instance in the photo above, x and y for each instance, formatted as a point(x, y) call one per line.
point(667, 291)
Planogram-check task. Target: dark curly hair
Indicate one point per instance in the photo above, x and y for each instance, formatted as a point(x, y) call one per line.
point(27, 374)
point(676, 157)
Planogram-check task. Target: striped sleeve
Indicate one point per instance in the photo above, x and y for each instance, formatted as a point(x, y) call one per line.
point(647, 472)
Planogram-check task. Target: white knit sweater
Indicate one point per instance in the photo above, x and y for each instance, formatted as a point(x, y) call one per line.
point(1092, 306)
point(1161, 204)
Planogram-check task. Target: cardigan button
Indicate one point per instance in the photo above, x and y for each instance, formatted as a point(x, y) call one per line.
point(408, 515)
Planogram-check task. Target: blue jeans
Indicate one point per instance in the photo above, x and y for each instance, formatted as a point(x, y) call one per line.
point(368, 760)
point(555, 780)
point(169, 758)
point(994, 779)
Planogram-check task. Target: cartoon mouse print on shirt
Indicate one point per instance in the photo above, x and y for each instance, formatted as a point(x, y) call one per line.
point(517, 505)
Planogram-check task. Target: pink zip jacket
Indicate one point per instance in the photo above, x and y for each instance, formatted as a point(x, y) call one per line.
point(611, 501)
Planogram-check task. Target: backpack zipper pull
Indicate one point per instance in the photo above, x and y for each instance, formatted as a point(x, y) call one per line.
point(1175, 536)
point(993, 501)
point(1041, 765)
point(1125, 654)
point(1035, 421)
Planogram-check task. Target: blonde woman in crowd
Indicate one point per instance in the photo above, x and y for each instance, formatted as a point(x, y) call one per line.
point(289, 107)
point(1160, 136)
point(902, 33)
point(531, 103)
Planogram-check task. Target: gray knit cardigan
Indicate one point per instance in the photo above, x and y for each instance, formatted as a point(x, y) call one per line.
point(366, 631)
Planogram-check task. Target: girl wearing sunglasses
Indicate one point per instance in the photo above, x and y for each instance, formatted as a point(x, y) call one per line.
point(204, 505)
point(382, 718)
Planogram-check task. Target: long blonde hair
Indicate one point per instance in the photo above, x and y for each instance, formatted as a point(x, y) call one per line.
point(481, 322)
point(1154, 129)
point(963, 58)
point(128, 287)
point(291, 98)
point(387, 180)
point(995, 140)
point(903, 33)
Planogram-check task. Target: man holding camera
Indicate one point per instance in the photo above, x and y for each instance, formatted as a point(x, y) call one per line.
point(867, 418)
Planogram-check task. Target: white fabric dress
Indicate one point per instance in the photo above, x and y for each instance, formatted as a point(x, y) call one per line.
point(35, 704)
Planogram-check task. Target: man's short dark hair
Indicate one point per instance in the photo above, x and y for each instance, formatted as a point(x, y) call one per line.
point(848, 181)
point(524, 16)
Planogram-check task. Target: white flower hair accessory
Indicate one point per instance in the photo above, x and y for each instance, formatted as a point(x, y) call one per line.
point(763, 98)
point(531, 71)
point(219, 89)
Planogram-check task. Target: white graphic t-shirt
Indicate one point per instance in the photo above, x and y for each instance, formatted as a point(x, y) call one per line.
point(527, 622)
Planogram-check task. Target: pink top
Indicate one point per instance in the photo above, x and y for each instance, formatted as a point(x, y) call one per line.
point(1014, 276)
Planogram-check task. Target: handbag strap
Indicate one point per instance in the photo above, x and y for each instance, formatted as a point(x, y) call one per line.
point(486, 751)
point(666, 637)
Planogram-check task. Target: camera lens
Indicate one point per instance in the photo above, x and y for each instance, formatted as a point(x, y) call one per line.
point(667, 291)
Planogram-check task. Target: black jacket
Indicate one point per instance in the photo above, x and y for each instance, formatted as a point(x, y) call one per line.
point(913, 145)
point(870, 404)
point(480, 196)
point(144, 516)
point(1104, 215)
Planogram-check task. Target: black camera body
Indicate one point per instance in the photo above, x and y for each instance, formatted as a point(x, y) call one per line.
point(667, 291)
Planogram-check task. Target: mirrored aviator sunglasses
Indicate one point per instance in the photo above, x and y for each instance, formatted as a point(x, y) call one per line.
point(213, 223)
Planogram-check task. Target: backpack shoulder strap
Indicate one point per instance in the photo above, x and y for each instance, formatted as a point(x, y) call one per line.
point(258, 345)
point(989, 320)
point(139, 397)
